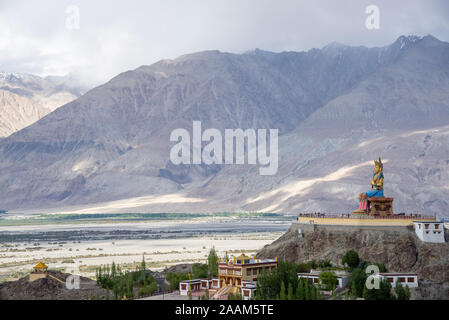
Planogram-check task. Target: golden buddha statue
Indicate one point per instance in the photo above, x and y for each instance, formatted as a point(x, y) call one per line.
point(377, 185)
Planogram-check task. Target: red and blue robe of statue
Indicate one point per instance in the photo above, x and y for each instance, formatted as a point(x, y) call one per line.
point(376, 192)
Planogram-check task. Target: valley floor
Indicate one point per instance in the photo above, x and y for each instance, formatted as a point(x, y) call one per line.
point(80, 249)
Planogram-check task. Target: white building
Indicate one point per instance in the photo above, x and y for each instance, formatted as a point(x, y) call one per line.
point(248, 289)
point(429, 231)
point(187, 286)
point(314, 275)
point(409, 279)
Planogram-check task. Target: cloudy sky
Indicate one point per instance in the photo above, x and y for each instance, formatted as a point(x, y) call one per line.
point(48, 37)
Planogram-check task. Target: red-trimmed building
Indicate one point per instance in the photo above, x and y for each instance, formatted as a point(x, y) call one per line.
point(243, 268)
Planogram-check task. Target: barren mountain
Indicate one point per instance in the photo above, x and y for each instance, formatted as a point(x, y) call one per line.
point(24, 99)
point(337, 109)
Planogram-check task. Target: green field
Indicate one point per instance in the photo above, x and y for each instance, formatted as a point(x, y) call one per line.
point(40, 219)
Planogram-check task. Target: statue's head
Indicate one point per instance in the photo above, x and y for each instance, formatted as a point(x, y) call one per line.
point(378, 166)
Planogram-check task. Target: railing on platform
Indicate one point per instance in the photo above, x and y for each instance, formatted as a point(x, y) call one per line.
point(351, 216)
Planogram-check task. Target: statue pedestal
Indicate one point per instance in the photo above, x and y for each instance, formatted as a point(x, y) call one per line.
point(380, 206)
point(359, 211)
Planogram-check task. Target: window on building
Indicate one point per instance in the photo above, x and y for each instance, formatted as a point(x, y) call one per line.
point(410, 279)
point(248, 271)
point(183, 286)
point(426, 226)
point(419, 225)
point(391, 279)
point(246, 293)
point(254, 271)
point(437, 226)
point(401, 279)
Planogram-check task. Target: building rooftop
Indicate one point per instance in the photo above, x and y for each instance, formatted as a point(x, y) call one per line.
point(40, 265)
point(248, 261)
point(398, 274)
point(316, 273)
point(245, 260)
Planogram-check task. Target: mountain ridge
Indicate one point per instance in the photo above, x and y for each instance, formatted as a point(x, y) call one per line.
point(112, 143)
point(27, 98)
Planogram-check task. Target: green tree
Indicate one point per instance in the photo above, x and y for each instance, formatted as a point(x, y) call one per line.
point(307, 290)
point(401, 292)
point(269, 284)
point(351, 258)
point(300, 290)
point(282, 294)
point(357, 282)
point(323, 264)
point(328, 280)
point(290, 295)
point(303, 268)
point(174, 278)
point(382, 267)
point(143, 266)
point(199, 271)
point(314, 293)
point(407, 292)
point(129, 288)
point(113, 270)
point(383, 293)
point(212, 263)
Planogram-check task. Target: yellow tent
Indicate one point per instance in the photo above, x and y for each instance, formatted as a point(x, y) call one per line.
point(40, 266)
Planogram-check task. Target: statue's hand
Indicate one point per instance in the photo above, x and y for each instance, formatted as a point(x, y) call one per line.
point(380, 182)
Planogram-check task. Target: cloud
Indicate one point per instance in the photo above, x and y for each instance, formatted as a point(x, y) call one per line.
point(118, 36)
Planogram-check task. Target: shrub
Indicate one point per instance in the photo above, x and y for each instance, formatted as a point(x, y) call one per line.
point(351, 258)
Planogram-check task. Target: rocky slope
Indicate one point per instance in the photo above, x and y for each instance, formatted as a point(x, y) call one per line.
point(24, 99)
point(49, 289)
point(337, 109)
point(398, 248)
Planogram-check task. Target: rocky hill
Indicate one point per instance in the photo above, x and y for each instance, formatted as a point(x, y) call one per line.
point(337, 109)
point(396, 247)
point(24, 98)
point(49, 289)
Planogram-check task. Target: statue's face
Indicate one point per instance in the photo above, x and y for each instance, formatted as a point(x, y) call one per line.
point(377, 169)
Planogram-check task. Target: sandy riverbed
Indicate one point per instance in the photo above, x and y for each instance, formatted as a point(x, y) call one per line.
point(186, 242)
